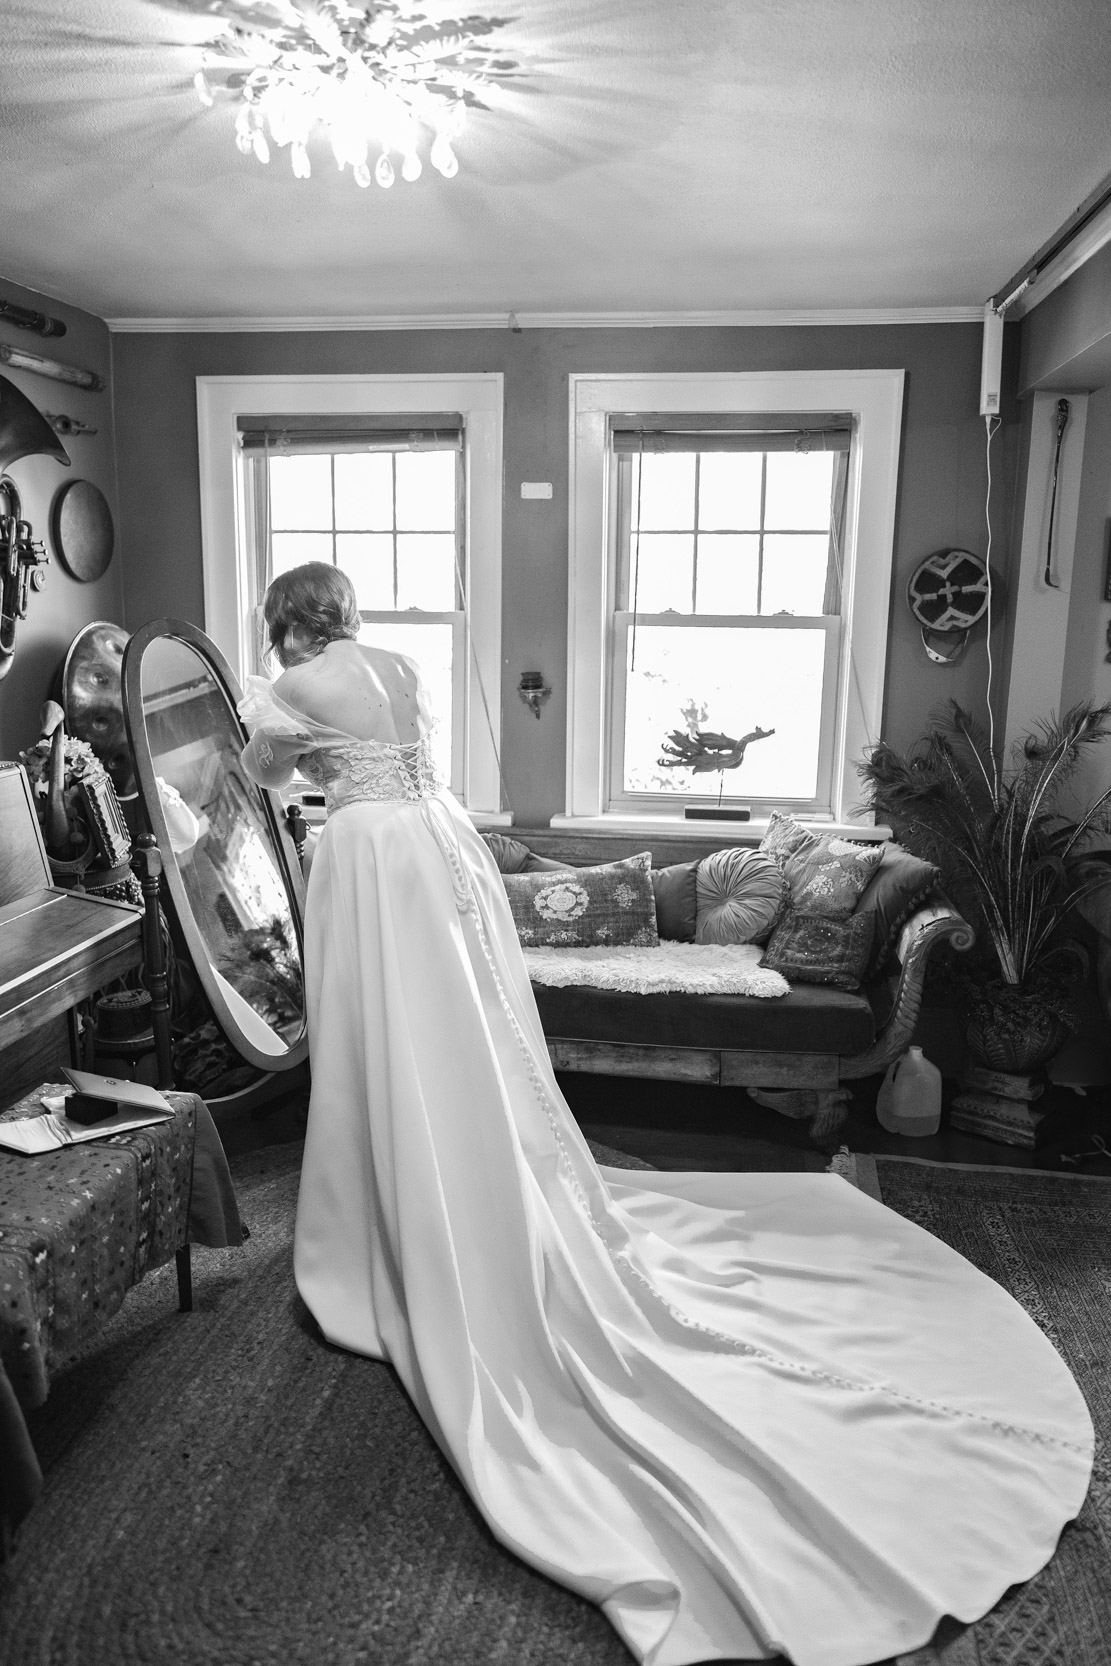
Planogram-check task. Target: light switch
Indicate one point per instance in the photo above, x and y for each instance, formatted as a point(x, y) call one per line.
point(536, 488)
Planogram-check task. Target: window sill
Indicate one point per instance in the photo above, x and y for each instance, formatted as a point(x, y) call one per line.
point(679, 827)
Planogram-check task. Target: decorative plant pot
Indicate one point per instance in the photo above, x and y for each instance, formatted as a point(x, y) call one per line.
point(998, 1043)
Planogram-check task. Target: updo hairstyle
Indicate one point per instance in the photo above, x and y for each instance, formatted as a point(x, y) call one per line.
point(317, 599)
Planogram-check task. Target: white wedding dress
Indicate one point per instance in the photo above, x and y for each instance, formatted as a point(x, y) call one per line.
point(747, 1414)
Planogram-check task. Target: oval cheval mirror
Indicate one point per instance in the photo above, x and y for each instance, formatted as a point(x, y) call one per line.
point(231, 869)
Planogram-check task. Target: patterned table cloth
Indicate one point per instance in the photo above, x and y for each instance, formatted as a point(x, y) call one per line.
point(78, 1228)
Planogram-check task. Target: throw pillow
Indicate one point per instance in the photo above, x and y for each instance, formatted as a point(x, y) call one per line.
point(813, 948)
point(583, 907)
point(740, 893)
point(512, 856)
point(785, 835)
point(676, 901)
point(900, 884)
point(826, 874)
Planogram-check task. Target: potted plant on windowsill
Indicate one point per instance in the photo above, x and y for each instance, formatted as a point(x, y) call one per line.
point(1012, 859)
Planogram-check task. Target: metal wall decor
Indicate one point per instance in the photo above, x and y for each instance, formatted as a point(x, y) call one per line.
point(20, 359)
point(25, 318)
point(67, 425)
point(23, 433)
point(81, 526)
point(948, 593)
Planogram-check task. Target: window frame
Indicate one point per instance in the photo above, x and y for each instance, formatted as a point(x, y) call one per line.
point(875, 400)
point(229, 571)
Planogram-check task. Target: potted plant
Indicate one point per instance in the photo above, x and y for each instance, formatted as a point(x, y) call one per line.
point(1013, 859)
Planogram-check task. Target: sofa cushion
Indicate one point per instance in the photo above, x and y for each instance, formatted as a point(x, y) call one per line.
point(740, 895)
point(900, 884)
point(513, 856)
point(676, 901)
point(826, 874)
point(581, 907)
point(812, 948)
point(810, 1019)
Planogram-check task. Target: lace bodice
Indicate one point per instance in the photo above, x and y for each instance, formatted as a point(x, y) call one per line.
point(372, 772)
point(346, 770)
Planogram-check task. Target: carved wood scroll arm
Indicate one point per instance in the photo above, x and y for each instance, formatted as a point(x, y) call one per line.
point(936, 923)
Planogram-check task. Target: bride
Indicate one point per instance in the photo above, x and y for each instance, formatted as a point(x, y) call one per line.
point(747, 1414)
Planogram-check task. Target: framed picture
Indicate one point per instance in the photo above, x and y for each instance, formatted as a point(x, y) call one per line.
point(103, 813)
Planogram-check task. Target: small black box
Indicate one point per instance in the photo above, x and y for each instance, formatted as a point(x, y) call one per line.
point(83, 1107)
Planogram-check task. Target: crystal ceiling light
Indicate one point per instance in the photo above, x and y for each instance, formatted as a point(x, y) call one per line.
point(374, 77)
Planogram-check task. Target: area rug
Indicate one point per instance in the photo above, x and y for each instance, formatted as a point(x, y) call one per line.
point(224, 1489)
point(1047, 1239)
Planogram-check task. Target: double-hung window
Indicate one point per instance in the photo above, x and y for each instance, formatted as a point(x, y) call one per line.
point(382, 497)
point(727, 617)
point(731, 541)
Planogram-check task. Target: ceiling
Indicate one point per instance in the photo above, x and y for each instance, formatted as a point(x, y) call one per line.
point(659, 156)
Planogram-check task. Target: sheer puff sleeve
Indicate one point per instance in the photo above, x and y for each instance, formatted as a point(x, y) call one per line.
point(277, 740)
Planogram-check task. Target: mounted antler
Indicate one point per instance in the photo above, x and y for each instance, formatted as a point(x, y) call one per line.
point(705, 751)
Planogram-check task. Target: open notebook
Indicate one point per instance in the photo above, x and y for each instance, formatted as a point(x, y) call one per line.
point(140, 1107)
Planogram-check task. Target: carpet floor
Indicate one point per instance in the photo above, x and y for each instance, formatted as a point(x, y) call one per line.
point(225, 1489)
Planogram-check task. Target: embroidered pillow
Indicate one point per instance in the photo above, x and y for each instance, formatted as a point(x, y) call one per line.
point(813, 948)
point(583, 908)
point(826, 875)
point(740, 896)
point(676, 901)
point(900, 884)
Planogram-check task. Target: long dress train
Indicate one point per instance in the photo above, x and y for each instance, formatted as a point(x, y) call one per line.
point(747, 1414)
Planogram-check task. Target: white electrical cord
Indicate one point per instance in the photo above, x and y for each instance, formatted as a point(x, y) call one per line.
point(990, 431)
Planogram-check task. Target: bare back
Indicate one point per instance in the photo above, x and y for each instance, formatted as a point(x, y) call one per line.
point(367, 693)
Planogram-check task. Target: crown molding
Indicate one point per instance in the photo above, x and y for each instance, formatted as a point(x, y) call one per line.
point(806, 318)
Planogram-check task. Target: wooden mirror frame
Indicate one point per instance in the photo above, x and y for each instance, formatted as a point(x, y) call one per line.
point(150, 806)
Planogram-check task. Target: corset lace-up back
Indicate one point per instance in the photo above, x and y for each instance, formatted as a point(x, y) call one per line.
point(379, 772)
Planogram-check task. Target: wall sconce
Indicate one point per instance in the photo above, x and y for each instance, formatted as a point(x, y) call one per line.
point(533, 691)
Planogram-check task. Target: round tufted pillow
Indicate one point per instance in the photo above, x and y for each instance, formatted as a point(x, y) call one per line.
point(740, 895)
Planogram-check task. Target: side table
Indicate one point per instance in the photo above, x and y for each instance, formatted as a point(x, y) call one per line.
point(79, 1227)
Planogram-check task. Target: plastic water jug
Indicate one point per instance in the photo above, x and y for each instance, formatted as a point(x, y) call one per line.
point(909, 1100)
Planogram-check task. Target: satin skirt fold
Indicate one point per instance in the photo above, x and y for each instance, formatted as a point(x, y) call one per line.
point(746, 1414)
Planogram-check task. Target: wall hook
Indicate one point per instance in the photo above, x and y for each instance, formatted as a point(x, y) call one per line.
point(533, 690)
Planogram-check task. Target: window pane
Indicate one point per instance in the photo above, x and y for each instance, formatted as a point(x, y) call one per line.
point(731, 680)
point(729, 491)
point(290, 549)
point(364, 491)
point(661, 574)
point(794, 573)
point(301, 492)
point(426, 570)
point(666, 492)
point(431, 646)
point(426, 491)
point(367, 559)
point(798, 490)
point(728, 566)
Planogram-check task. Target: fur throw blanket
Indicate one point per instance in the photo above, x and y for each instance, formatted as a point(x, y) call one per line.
point(687, 968)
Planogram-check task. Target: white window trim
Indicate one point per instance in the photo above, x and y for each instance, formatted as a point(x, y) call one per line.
point(228, 581)
point(876, 399)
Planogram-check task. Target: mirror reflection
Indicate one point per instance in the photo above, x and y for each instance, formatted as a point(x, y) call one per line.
point(222, 843)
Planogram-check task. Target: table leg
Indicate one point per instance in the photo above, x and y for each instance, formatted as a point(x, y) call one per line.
point(184, 1281)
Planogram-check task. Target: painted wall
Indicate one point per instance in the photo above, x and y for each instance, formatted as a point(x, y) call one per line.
point(941, 501)
point(56, 613)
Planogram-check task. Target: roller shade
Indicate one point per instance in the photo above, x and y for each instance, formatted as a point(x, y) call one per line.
point(748, 431)
point(302, 435)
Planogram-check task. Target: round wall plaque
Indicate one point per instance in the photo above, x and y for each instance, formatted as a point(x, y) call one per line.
point(81, 522)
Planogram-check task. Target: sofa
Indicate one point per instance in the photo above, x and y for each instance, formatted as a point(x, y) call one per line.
point(796, 1054)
